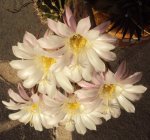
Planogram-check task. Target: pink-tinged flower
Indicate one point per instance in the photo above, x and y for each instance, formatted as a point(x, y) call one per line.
point(38, 66)
point(84, 47)
point(31, 109)
point(113, 91)
point(73, 113)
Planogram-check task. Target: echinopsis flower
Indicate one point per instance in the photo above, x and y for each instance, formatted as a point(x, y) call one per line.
point(39, 66)
point(31, 109)
point(70, 54)
point(73, 113)
point(113, 91)
point(84, 47)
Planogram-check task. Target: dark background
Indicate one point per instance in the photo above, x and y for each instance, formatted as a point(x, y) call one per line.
point(127, 127)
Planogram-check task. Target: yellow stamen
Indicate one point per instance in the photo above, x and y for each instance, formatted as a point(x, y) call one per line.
point(73, 106)
point(77, 43)
point(47, 62)
point(108, 89)
point(34, 107)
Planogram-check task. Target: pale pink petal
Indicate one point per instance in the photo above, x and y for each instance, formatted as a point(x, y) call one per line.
point(133, 78)
point(22, 92)
point(15, 96)
point(63, 29)
point(35, 98)
point(53, 26)
point(109, 77)
point(86, 85)
point(83, 25)
point(84, 93)
point(52, 42)
point(29, 39)
point(121, 71)
point(102, 27)
point(70, 18)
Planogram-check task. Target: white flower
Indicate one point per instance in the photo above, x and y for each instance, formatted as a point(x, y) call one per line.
point(31, 109)
point(39, 66)
point(113, 91)
point(84, 48)
point(73, 113)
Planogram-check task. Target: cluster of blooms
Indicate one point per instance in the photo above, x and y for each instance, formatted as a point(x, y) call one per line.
point(66, 79)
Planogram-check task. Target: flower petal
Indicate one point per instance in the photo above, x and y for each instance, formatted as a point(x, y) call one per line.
point(88, 123)
point(21, 64)
point(127, 105)
point(79, 125)
point(102, 27)
point(63, 29)
point(83, 25)
point(70, 18)
point(95, 61)
point(52, 42)
point(17, 115)
point(107, 56)
point(15, 96)
point(37, 122)
point(64, 82)
point(53, 26)
point(136, 89)
point(133, 78)
point(120, 71)
point(86, 85)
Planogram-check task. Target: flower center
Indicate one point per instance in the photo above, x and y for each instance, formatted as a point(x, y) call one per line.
point(77, 43)
point(108, 89)
point(47, 62)
point(72, 107)
point(34, 107)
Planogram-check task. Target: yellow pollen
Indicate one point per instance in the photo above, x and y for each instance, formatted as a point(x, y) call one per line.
point(73, 106)
point(34, 107)
point(109, 89)
point(47, 62)
point(77, 43)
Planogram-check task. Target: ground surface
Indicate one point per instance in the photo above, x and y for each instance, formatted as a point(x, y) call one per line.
point(127, 127)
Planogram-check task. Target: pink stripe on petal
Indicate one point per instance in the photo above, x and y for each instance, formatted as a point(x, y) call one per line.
point(86, 85)
point(121, 71)
point(133, 78)
point(15, 96)
point(70, 18)
point(102, 27)
point(22, 92)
